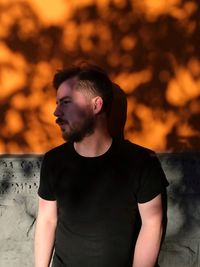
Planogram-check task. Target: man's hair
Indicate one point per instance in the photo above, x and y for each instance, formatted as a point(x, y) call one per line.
point(91, 79)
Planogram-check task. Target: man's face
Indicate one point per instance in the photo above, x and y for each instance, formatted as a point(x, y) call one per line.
point(74, 112)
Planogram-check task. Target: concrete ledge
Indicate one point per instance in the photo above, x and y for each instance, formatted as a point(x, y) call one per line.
point(19, 178)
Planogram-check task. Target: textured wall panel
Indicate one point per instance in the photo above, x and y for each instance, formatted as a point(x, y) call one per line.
point(19, 178)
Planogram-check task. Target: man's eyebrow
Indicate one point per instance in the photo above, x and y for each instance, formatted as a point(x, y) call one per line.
point(63, 98)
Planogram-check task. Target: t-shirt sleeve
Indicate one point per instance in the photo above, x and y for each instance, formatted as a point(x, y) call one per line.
point(46, 188)
point(152, 180)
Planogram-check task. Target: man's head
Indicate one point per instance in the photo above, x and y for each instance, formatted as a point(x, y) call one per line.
point(83, 93)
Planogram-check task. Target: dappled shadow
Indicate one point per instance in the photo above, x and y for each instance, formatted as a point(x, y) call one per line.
point(150, 50)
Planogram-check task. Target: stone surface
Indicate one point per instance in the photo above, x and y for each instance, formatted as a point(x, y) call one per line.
point(19, 178)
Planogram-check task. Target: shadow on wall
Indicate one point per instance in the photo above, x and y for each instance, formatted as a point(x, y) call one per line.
point(181, 245)
point(183, 172)
point(150, 50)
point(118, 115)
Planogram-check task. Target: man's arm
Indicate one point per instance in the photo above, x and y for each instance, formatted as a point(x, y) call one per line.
point(45, 232)
point(149, 238)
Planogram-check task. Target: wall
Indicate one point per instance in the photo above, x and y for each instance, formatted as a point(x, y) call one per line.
point(149, 48)
point(19, 176)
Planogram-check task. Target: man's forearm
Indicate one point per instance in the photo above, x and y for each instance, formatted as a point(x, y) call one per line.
point(44, 242)
point(147, 246)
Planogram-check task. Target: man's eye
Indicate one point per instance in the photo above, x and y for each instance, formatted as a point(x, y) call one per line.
point(66, 102)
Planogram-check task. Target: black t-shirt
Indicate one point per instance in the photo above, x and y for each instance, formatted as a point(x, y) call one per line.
point(97, 197)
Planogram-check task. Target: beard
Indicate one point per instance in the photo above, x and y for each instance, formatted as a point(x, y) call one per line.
point(76, 133)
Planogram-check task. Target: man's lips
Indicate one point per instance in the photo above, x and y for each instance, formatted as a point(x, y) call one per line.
point(61, 122)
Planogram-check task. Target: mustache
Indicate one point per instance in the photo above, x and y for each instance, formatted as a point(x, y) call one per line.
point(60, 121)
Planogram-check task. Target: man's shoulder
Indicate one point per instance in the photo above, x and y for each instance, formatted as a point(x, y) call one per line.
point(131, 148)
point(58, 150)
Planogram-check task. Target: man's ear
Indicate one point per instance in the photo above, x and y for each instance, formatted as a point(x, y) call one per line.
point(97, 103)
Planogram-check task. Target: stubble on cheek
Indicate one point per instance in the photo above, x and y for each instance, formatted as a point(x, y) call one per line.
point(79, 123)
point(77, 131)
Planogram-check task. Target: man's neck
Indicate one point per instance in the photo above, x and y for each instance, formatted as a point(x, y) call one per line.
point(93, 145)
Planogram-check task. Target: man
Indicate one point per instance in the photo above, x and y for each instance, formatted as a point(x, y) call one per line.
point(95, 190)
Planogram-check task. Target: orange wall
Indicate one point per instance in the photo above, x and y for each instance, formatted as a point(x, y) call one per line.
point(150, 48)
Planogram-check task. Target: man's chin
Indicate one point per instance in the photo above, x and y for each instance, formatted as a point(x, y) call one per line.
point(72, 137)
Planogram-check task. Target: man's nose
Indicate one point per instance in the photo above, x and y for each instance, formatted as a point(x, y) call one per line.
point(57, 112)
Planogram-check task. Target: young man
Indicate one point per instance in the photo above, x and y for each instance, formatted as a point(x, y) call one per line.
point(99, 196)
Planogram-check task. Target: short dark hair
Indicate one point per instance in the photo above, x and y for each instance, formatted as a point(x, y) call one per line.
point(90, 78)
